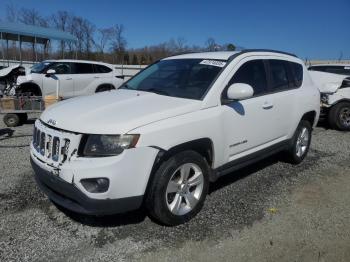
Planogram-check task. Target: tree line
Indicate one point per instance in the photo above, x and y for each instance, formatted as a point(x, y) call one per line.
point(103, 44)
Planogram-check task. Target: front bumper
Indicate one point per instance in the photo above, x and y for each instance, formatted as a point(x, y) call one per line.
point(71, 198)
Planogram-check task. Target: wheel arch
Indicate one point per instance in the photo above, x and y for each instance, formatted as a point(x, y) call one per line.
point(347, 100)
point(203, 146)
point(310, 117)
point(30, 86)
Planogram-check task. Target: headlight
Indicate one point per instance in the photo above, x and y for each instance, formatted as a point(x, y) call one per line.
point(108, 145)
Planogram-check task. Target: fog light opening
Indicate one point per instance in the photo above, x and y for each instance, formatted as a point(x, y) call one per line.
point(95, 185)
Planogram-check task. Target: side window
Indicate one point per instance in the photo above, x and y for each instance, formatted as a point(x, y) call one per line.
point(61, 68)
point(101, 69)
point(298, 74)
point(279, 75)
point(83, 68)
point(252, 73)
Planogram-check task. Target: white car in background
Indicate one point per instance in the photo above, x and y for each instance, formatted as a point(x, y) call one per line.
point(76, 78)
point(333, 81)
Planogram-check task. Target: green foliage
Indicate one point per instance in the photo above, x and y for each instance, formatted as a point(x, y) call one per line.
point(231, 47)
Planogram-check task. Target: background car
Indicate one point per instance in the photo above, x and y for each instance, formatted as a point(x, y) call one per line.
point(76, 78)
point(340, 69)
point(333, 81)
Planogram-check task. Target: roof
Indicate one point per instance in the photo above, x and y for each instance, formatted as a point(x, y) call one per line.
point(77, 61)
point(29, 32)
point(225, 55)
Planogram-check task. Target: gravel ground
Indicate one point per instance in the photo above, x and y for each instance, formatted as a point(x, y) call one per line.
point(271, 211)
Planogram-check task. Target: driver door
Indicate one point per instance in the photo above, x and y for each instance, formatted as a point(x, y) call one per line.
point(65, 80)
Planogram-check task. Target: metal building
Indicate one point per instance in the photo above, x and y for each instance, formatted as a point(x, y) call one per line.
point(30, 34)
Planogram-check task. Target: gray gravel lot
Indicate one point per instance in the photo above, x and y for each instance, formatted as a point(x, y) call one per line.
point(271, 211)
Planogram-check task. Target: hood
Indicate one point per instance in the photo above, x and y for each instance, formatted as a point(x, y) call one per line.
point(327, 82)
point(115, 112)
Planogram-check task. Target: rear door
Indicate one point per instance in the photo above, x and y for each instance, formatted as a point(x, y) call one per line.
point(284, 77)
point(83, 77)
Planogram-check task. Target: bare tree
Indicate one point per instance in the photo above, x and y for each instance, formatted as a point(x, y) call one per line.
point(32, 17)
point(61, 21)
point(88, 32)
point(11, 13)
point(210, 44)
point(104, 36)
point(176, 46)
point(119, 42)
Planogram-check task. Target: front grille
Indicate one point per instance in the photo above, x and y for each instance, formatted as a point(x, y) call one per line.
point(50, 146)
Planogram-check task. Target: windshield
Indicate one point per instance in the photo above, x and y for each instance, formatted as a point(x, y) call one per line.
point(185, 78)
point(39, 68)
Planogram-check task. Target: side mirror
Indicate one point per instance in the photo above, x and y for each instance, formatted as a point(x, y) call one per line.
point(50, 72)
point(120, 77)
point(239, 91)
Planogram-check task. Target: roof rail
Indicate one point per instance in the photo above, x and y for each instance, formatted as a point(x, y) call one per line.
point(260, 50)
point(268, 50)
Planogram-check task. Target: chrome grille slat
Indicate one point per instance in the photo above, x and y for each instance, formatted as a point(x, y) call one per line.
point(55, 149)
point(37, 145)
point(42, 143)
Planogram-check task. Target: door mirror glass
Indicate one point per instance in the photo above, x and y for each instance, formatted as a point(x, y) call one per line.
point(239, 91)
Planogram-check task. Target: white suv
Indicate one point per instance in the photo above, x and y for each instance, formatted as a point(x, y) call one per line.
point(76, 77)
point(168, 132)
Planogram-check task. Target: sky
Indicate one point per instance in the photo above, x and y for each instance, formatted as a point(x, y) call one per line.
point(312, 29)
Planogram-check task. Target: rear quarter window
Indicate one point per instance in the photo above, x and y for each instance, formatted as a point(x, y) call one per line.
point(101, 69)
point(297, 74)
point(83, 68)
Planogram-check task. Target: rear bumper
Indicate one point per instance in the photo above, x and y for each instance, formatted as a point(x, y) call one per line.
point(70, 197)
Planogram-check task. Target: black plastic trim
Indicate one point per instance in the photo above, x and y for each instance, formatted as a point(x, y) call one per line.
point(70, 197)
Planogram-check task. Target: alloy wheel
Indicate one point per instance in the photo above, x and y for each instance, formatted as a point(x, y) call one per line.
point(184, 189)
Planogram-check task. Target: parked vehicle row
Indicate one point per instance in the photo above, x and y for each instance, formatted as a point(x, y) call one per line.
point(168, 132)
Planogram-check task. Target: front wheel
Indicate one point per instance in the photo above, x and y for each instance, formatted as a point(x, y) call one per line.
point(179, 188)
point(339, 116)
point(300, 143)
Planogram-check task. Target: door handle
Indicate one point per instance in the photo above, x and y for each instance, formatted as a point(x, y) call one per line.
point(96, 77)
point(267, 105)
point(69, 78)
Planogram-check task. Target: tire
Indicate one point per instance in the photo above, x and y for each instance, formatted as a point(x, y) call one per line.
point(300, 143)
point(169, 197)
point(339, 116)
point(104, 88)
point(12, 120)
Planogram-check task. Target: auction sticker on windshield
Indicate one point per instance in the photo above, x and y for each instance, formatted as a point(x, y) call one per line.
point(213, 63)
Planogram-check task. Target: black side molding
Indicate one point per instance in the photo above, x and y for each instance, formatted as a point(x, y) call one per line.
point(250, 159)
